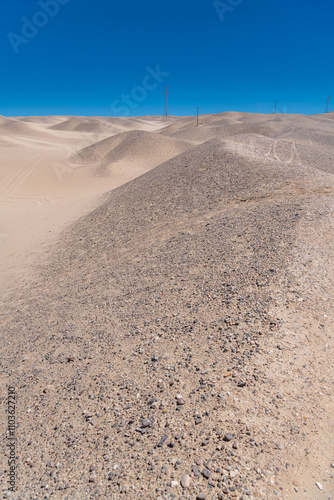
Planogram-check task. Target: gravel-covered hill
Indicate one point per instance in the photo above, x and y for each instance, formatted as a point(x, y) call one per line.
point(177, 343)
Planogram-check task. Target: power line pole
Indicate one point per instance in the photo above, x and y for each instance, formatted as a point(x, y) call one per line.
point(197, 115)
point(166, 110)
point(327, 107)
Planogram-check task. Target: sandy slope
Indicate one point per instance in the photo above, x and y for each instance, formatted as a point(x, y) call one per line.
point(137, 147)
point(41, 191)
point(194, 302)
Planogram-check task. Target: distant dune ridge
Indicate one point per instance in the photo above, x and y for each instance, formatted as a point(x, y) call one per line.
point(10, 126)
point(133, 146)
point(79, 124)
point(176, 335)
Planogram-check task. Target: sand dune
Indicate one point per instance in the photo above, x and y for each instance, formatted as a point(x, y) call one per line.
point(107, 124)
point(131, 147)
point(40, 189)
point(15, 127)
point(19, 131)
point(140, 123)
point(178, 125)
point(45, 120)
point(225, 125)
point(180, 327)
point(7, 143)
point(80, 125)
point(327, 116)
point(4, 120)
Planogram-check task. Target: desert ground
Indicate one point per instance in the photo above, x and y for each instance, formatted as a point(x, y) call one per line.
point(167, 313)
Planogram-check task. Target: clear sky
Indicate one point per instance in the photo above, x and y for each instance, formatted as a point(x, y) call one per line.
point(105, 57)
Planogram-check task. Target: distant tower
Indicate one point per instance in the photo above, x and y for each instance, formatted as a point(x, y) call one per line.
point(166, 110)
point(327, 107)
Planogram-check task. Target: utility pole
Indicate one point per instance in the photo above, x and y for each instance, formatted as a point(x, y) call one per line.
point(166, 111)
point(327, 107)
point(197, 115)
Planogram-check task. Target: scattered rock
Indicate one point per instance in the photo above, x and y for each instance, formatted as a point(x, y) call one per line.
point(147, 422)
point(162, 441)
point(228, 437)
point(206, 473)
point(179, 399)
point(185, 481)
point(181, 402)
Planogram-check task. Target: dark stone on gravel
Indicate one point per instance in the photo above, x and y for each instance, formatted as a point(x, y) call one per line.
point(228, 437)
point(162, 441)
point(181, 402)
point(206, 473)
point(201, 496)
point(196, 471)
point(147, 422)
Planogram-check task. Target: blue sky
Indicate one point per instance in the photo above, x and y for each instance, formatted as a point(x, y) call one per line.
point(87, 57)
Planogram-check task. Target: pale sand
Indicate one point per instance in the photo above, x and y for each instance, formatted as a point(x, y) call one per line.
point(41, 191)
point(209, 275)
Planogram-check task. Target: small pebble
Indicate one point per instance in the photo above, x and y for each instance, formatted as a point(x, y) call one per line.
point(162, 441)
point(181, 402)
point(228, 437)
point(185, 481)
point(206, 473)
